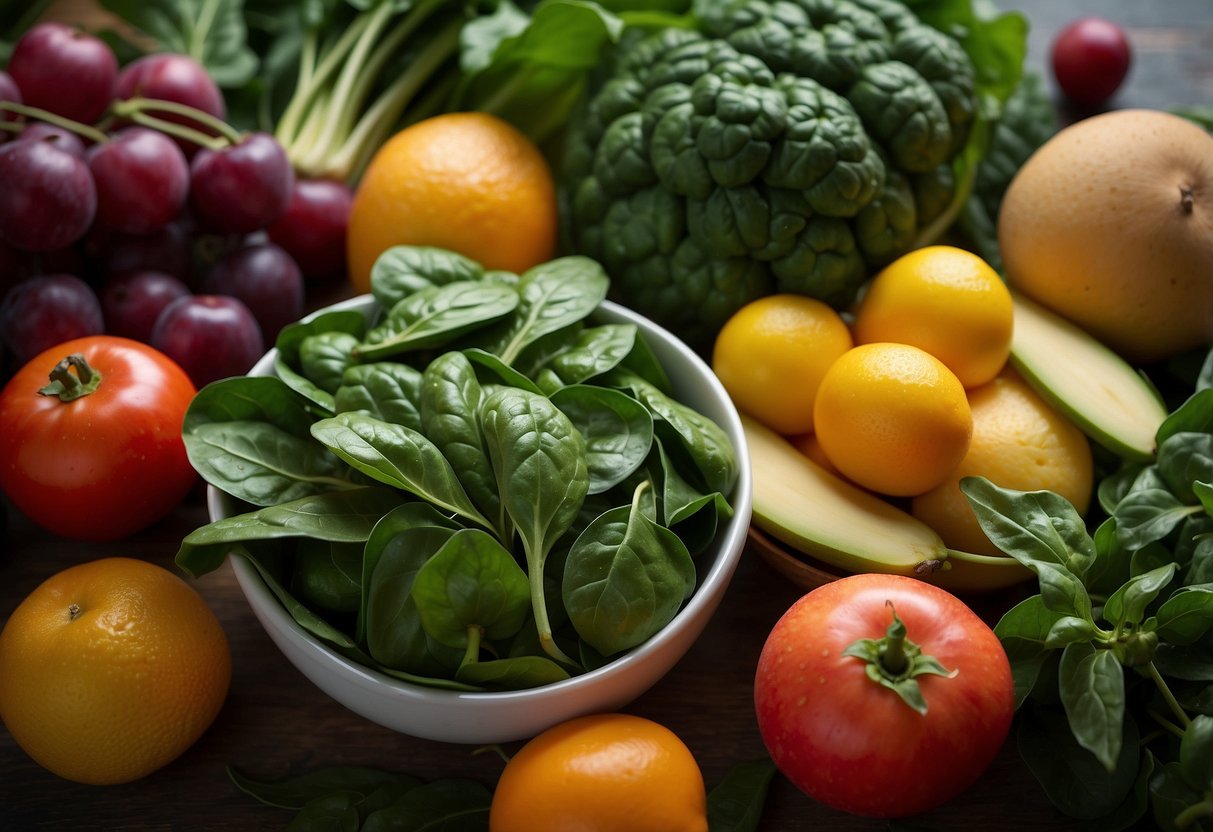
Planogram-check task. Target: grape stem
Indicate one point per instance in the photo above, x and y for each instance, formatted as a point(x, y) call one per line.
point(87, 131)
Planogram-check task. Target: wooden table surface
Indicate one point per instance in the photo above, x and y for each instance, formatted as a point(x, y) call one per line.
point(275, 721)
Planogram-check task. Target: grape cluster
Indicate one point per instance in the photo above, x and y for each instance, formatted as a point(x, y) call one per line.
point(129, 206)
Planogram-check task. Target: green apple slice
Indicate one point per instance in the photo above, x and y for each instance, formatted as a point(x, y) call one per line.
point(1109, 400)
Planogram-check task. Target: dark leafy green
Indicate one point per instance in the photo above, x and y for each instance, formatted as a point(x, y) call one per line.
point(436, 515)
point(1120, 634)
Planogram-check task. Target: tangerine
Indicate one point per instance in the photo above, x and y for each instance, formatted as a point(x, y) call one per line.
point(110, 670)
point(1019, 442)
point(892, 418)
point(772, 354)
point(468, 182)
point(601, 773)
point(944, 300)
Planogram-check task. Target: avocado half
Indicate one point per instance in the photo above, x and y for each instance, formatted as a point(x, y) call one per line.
point(1100, 392)
point(822, 516)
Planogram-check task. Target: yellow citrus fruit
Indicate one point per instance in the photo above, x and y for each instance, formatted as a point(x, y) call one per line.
point(1020, 442)
point(468, 182)
point(601, 773)
point(892, 418)
point(771, 356)
point(944, 300)
point(110, 670)
point(810, 446)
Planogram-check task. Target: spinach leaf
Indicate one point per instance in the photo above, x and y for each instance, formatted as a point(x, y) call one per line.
point(596, 350)
point(324, 358)
point(502, 373)
point(327, 575)
point(553, 295)
point(262, 464)
point(436, 316)
point(693, 515)
point(393, 632)
point(735, 804)
point(385, 390)
point(450, 404)
point(453, 805)
point(539, 462)
point(471, 589)
point(513, 673)
point(688, 434)
point(405, 270)
point(341, 516)
point(294, 791)
point(289, 363)
point(618, 431)
point(397, 456)
point(625, 578)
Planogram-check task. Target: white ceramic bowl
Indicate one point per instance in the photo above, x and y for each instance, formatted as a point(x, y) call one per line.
point(481, 718)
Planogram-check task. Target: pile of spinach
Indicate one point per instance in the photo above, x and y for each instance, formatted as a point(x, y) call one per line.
point(1113, 659)
point(478, 485)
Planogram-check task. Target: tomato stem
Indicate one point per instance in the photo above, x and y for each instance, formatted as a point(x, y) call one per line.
point(894, 662)
point(69, 387)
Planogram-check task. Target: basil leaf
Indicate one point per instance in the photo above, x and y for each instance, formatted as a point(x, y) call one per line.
point(1187, 615)
point(1149, 515)
point(1092, 688)
point(295, 791)
point(1127, 606)
point(1024, 630)
point(735, 804)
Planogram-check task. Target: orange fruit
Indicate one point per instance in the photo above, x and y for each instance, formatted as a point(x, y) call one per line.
point(110, 670)
point(810, 446)
point(1020, 442)
point(771, 354)
point(892, 418)
point(601, 773)
point(467, 182)
point(944, 300)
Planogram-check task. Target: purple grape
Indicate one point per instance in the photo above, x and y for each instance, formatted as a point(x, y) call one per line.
point(49, 199)
point(169, 250)
point(44, 311)
point(266, 279)
point(132, 302)
point(168, 76)
point(242, 188)
point(210, 336)
point(142, 180)
point(313, 227)
point(64, 70)
point(9, 92)
point(62, 138)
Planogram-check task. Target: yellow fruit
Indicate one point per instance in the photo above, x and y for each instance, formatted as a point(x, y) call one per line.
point(944, 300)
point(808, 445)
point(601, 773)
point(468, 182)
point(772, 354)
point(1110, 224)
point(1018, 442)
point(892, 418)
point(110, 670)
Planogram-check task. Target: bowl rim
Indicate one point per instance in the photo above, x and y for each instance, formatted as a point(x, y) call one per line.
point(710, 589)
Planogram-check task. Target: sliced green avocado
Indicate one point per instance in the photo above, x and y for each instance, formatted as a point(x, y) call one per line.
point(1100, 392)
point(805, 506)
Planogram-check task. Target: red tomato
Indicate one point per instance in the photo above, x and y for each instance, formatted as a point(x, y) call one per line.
point(854, 744)
point(108, 463)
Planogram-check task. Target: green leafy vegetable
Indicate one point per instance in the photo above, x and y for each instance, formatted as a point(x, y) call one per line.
point(438, 517)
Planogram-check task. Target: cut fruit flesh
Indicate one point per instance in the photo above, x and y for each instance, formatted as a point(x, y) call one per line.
point(1107, 398)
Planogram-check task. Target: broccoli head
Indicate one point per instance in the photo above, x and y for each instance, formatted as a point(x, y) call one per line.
point(779, 146)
